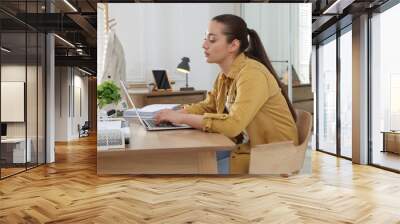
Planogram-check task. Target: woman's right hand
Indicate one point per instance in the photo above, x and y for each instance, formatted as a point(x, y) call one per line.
point(168, 115)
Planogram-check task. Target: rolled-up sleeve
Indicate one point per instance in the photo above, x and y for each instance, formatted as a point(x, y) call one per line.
point(252, 92)
point(206, 106)
point(209, 118)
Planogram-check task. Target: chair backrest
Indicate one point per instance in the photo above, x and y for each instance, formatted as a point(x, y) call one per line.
point(283, 158)
point(86, 125)
point(304, 125)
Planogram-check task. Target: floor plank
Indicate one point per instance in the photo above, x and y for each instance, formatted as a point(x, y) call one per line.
point(386, 159)
point(69, 191)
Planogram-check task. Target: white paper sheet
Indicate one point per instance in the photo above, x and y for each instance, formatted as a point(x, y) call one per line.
point(156, 107)
point(107, 125)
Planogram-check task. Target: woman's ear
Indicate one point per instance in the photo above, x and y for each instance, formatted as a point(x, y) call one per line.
point(234, 45)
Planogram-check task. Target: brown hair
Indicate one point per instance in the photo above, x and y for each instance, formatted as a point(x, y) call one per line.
point(236, 28)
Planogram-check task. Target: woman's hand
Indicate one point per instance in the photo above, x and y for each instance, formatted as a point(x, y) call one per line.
point(168, 115)
point(179, 117)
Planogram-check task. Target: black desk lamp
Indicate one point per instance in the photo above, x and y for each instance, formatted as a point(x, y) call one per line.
point(185, 68)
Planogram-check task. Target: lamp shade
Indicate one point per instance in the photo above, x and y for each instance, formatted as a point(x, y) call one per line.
point(184, 65)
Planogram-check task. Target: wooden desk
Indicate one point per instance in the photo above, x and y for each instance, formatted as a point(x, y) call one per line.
point(164, 152)
point(13, 151)
point(179, 97)
point(391, 141)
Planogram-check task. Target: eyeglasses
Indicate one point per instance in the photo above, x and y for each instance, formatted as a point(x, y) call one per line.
point(210, 37)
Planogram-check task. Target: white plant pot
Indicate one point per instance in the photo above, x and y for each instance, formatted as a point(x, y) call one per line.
point(102, 113)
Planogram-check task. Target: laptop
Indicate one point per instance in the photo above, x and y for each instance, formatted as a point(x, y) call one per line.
point(149, 123)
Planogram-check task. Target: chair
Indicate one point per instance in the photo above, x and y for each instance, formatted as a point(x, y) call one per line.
point(84, 130)
point(283, 158)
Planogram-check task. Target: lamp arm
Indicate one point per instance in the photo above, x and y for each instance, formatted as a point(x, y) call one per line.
point(187, 83)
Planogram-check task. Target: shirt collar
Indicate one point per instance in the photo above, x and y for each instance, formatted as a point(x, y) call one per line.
point(236, 66)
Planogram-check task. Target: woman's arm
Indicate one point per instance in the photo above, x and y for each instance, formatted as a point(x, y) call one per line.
point(208, 105)
point(179, 117)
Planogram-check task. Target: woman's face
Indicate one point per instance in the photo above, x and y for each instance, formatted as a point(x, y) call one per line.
point(216, 48)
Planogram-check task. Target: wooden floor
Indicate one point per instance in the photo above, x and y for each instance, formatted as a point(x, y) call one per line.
point(10, 171)
point(387, 159)
point(69, 191)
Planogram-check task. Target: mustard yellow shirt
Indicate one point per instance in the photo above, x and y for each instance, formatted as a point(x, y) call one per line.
point(255, 104)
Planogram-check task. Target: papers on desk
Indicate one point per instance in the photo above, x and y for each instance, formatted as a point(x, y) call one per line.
point(150, 110)
point(106, 125)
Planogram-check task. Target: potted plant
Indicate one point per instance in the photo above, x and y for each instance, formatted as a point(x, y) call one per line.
point(107, 94)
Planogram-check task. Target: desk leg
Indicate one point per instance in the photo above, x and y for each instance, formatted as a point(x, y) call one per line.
point(207, 162)
point(384, 142)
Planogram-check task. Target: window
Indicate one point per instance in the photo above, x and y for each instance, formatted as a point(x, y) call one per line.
point(346, 93)
point(385, 87)
point(22, 74)
point(327, 96)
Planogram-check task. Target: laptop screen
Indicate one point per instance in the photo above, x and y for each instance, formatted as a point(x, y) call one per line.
point(127, 96)
point(129, 99)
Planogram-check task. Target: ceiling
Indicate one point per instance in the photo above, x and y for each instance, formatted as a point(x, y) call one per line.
point(76, 25)
point(333, 15)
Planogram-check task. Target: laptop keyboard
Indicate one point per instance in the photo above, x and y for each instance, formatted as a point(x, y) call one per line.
point(152, 123)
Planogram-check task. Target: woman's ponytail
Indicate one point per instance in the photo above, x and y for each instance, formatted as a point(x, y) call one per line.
point(256, 51)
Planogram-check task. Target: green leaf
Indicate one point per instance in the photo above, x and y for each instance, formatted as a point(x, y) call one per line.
point(108, 92)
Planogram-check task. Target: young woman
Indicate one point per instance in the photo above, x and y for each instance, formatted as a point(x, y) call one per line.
point(247, 102)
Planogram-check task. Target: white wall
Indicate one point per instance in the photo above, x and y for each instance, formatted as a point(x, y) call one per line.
point(157, 36)
point(12, 73)
point(68, 83)
point(285, 30)
point(33, 125)
point(15, 73)
point(272, 23)
point(79, 117)
point(61, 103)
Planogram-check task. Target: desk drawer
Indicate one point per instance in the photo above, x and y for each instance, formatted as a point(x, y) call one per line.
point(392, 142)
point(184, 99)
